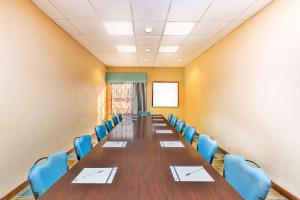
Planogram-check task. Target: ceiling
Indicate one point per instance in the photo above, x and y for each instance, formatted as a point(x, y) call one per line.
point(208, 20)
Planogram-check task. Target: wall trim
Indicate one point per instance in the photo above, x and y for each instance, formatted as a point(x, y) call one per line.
point(275, 186)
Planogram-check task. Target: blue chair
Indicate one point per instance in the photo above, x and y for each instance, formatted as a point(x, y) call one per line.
point(42, 176)
point(174, 121)
point(207, 148)
point(108, 125)
point(180, 126)
point(170, 117)
point(82, 145)
point(189, 133)
point(144, 113)
point(100, 132)
point(115, 120)
point(120, 117)
point(252, 183)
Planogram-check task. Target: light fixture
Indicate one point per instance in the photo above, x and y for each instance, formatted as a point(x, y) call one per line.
point(118, 28)
point(147, 50)
point(168, 49)
point(148, 29)
point(178, 28)
point(126, 48)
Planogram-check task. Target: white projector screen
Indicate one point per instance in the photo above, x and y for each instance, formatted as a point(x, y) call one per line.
point(165, 94)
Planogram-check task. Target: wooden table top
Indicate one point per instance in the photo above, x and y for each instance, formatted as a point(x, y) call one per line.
point(143, 170)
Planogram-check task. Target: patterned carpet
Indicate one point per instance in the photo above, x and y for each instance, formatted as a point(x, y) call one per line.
point(218, 164)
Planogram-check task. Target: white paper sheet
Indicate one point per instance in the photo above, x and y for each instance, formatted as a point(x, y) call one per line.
point(158, 119)
point(159, 124)
point(164, 131)
point(96, 175)
point(190, 173)
point(116, 144)
point(171, 144)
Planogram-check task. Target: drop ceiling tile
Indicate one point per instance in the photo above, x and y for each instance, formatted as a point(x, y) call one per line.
point(49, 9)
point(196, 40)
point(186, 49)
point(123, 40)
point(100, 48)
point(172, 40)
point(257, 6)
point(109, 56)
point(112, 10)
point(98, 40)
point(208, 28)
point(188, 10)
point(75, 9)
point(129, 56)
point(64, 24)
point(141, 25)
point(147, 40)
point(225, 11)
point(88, 27)
point(80, 39)
point(150, 10)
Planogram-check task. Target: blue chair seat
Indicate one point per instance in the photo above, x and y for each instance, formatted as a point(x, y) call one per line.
point(82, 145)
point(108, 125)
point(207, 148)
point(170, 117)
point(250, 182)
point(174, 121)
point(100, 132)
point(189, 133)
point(180, 126)
point(42, 176)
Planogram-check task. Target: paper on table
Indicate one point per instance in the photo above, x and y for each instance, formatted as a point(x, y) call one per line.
point(190, 173)
point(118, 144)
point(164, 131)
point(96, 175)
point(158, 119)
point(171, 144)
point(159, 124)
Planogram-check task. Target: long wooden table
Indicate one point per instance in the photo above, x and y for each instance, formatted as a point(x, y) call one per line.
point(143, 170)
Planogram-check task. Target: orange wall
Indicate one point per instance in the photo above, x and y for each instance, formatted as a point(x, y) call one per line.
point(159, 74)
point(244, 92)
point(51, 90)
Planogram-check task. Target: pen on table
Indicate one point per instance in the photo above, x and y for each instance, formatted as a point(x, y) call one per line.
point(187, 174)
point(98, 172)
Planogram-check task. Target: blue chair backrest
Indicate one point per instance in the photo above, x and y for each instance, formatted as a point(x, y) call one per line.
point(120, 117)
point(108, 125)
point(144, 113)
point(170, 117)
point(115, 120)
point(82, 145)
point(180, 126)
point(189, 133)
point(42, 176)
point(174, 121)
point(100, 132)
point(250, 182)
point(207, 148)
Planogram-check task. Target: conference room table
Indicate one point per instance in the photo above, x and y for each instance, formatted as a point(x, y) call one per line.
point(143, 168)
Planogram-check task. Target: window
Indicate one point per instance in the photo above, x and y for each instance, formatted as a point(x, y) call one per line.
point(122, 97)
point(165, 94)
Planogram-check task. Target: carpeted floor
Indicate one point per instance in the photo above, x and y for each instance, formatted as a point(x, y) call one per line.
point(218, 164)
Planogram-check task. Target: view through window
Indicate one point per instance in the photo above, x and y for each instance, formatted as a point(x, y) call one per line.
point(122, 98)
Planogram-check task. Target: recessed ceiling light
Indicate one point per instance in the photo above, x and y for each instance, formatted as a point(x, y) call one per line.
point(168, 49)
point(179, 28)
point(148, 29)
point(126, 48)
point(147, 50)
point(118, 28)
point(146, 60)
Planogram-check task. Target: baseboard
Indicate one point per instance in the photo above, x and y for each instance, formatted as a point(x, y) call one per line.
point(15, 191)
point(275, 186)
point(284, 192)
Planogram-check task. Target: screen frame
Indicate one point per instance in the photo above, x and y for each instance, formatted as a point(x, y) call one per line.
point(177, 94)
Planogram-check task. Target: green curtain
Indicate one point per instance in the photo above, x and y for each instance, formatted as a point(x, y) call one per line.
point(120, 77)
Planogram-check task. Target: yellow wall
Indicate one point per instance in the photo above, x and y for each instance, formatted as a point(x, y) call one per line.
point(159, 74)
point(50, 90)
point(245, 92)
